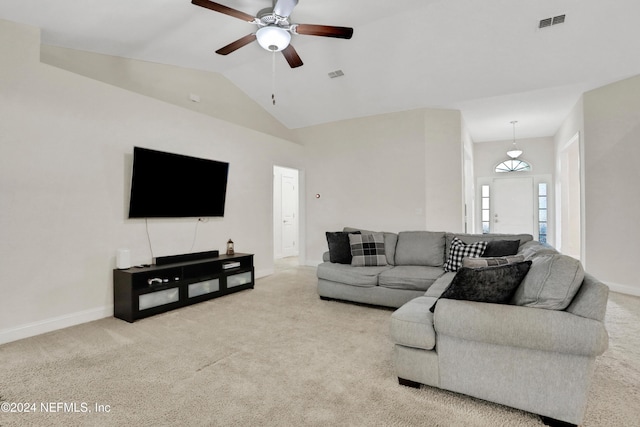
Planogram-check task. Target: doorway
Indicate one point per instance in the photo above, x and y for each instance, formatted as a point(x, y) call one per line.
point(513, 206)
point(516, 204)
point(285, 212)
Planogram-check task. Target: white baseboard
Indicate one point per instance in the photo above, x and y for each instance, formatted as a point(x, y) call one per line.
point(263, 273)
point(313, 263)
point(624, 289)
point(72, 319)
point(54, 323)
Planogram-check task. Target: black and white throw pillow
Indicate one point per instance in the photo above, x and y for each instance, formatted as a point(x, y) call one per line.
point(367, 250)
point(459, 250)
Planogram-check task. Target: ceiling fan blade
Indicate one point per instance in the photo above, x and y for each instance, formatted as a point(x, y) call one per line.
point(292, 57)
point(217, 7)
point(232, 47)
point(324, 31)
point(284, 7)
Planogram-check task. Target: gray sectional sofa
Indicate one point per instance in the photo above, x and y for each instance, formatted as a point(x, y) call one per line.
point(534, 351)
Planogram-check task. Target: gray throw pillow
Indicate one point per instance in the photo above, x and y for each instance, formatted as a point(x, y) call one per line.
point(339, 246)
point(552, 282)
point(489, 284)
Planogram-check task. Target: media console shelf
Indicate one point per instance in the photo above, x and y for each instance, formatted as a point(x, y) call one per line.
point(145, 291)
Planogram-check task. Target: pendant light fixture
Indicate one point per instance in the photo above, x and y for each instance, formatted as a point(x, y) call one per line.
point(515, 152)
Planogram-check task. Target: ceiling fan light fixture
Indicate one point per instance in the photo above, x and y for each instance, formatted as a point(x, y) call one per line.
point(273, 38)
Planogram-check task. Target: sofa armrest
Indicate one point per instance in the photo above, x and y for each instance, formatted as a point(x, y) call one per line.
point(525, 327)
point(326, 257)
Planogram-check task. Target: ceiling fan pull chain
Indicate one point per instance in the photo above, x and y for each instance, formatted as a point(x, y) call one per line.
point(273, 78)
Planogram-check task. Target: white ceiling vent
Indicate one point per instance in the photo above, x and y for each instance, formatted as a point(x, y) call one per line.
point(337, 73)
point(547, 22)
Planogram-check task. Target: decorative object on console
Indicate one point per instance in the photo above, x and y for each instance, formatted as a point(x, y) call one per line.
point(367, 250)
point(123, 259)
point(230, 250)
point(459, 250)
point(339, 246)
point(489, 284)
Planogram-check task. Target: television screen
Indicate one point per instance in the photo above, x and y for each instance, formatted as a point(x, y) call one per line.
point(165, 185)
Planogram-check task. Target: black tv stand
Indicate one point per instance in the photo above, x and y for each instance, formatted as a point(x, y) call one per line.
point(145, 291)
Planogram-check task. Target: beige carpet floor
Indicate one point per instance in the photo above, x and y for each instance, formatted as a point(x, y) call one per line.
point(273, 356)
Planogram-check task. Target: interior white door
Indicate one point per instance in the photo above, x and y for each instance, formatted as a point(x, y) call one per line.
point(513, 205)
point(289, 200)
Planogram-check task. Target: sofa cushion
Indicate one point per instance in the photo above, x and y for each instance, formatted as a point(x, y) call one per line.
point(412, 324)
point(497, 248)
point(420, 248)
point(390, 243)
point(490, 262)
point(489, 284)
point(348, 275)
point(413, 277)
point(534, 248)
point(459, 250)
point(339, 246)
point(552, 282)
point(367, 250)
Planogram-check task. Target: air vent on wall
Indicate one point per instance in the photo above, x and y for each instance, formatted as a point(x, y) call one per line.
point(337, 73)
point(547, 22)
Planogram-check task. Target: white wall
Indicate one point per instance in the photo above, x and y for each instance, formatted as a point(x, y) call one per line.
point(444, 209)
point(572, 127)
point(539, 152)
point(612, 177)
point(468, 155)
point(383, 173)
point(216, 95)
point(65, 165)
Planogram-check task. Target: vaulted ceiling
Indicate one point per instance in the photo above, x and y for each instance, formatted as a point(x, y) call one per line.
point(488, 59)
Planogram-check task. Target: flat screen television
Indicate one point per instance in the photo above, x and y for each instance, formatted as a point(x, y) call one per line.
point(167, 185)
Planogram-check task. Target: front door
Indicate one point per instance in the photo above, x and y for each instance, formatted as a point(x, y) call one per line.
point(513, 206)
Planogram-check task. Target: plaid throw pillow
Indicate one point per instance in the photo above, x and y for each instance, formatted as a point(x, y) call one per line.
point(367, 250)
point(459, 250)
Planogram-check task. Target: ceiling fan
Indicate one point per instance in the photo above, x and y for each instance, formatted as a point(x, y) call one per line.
point(274, 29)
